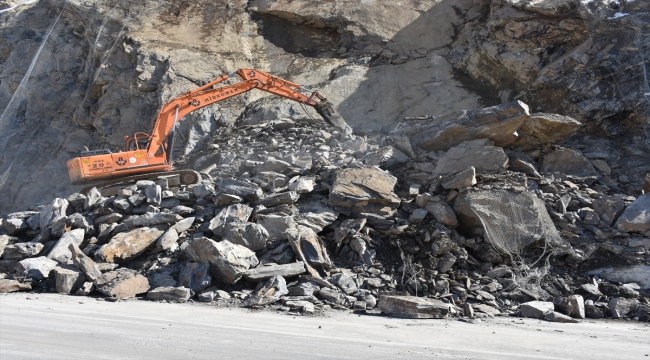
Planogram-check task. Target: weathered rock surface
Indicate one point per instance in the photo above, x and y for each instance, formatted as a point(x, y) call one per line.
point(541, 129)
point(497, 123)
point(125, 246)
point(60, 251)
point(228, 261)
point(195, 276)
point(267, 272)
point(250, 235)
point(413, 307)
point(567, 162)
point(84, 263)
point(480, 154)
point(68, 279)
point(367, 189)
point(536, 309)
point(151, 219)
point(21, 251)
point(7, 286)
point(176, 294)
point(122, 283)
point(636, 217)
point(238, 212)
point(622, 306)
point(36, 268)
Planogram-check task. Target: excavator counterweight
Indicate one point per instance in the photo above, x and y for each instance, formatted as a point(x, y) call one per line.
point(153, 153)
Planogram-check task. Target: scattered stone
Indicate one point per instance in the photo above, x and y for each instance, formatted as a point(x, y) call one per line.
point(122, 283)
point(177, 294)
point(480, 154)
point(536, 309)
point(621, 306)
point(363, 190)
point(8, 286)
point(55, 211)
point(126, 246)
point(37, 268)
point(413, 307)
point(60, 251)
point(559, 317)
point(68, 279)
point(460, 180)
point(195, 276)
point(21, 251)
point(228, 261)
point(567, 162)
point(233, 213)
point(267, 272)
point(636, 217)
point(442, 212)
point(418, 216)
point(577, 306)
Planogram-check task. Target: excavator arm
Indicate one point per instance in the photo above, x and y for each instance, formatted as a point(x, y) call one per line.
point(150, 153)
point(206, 95)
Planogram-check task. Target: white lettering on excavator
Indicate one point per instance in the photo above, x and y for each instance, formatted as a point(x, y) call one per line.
point(214, 97)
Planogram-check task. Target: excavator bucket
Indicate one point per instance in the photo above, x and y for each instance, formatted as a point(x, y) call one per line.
point(326, 110)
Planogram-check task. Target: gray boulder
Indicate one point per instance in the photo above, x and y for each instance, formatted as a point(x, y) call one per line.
point(60, 251)
point(21, 251)
point(195, 276)
point(36, 268)
point(228, 261)
point(122, 283)
point(128, 245)
point(53, 212)
point(413, 307)
point(364, 190)
point(237, 212)
point(636, 217)
point(536, 309)
point(480, 154)
point(168, 293)
point(568, 162)
point(68, 279)
point(250, 235)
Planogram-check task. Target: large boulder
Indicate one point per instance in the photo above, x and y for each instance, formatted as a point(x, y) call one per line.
point(169, 293)
point(497, 123)
point(480, 154)
point(250, 235)
point(68, 279)
point(228, 261)
point(267, 272)
point(541, 129)
point(568, 162)
point(55, 211)
point(277, 226)
point(536, 309)
point(238, 212)
point(60, 251)
point(636, 217)
point(122, 283)
point(510, 220)
point(36, 268)
point(21, 251)
point(7, 286)
point(84, 263)
point(364, 190)
point(128, 245)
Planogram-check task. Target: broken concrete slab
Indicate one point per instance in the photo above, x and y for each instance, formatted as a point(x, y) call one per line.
point(122, 283)
point(364, 190)
point(177, 294)
point(267, 272)
point(413, 307)
point(480, 154)
point(126, 246)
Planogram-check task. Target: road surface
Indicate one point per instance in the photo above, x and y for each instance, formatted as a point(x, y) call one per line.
point(50, 326)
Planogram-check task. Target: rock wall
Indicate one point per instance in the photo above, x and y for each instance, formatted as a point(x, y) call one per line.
point(86, 73)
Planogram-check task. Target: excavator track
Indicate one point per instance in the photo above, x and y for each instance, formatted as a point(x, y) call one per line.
point(187, 177)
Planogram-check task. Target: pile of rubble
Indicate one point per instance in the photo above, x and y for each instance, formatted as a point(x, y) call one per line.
point(470, 214)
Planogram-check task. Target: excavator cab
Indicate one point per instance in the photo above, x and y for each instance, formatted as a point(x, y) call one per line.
point(139, 142)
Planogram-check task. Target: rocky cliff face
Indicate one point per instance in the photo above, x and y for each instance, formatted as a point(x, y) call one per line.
point(85, 73)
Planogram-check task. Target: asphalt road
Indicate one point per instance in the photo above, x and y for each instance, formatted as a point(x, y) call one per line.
point(50, 326)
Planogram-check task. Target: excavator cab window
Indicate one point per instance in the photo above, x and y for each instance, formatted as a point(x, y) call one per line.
point(139, 142)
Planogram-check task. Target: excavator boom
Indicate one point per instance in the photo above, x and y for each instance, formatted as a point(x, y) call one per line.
point(146, 153)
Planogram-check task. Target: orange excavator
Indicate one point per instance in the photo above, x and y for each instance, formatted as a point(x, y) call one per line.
point(148, 155)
